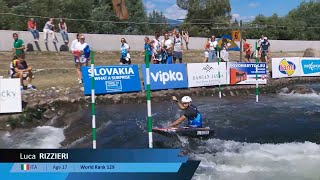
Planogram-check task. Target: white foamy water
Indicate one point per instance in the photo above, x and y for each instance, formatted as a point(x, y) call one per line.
point(228, 160)
point(44, 137)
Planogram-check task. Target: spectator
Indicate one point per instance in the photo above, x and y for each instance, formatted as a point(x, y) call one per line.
point(156, 44)
point(265, 50)
point(206, 50)
point(177, 48)
point(74, 47)
point(64, 30)
point(76, 50)
point(48, 29)
point(247, 49)
point(167, 50)
point(82, 54)
point(148, 48)
point(185, 35)
point(260, 41)
point(224, 53)
point(212, 50)
point(32, 27)
point(20, 69)
point(18, 46)
point(125, 52)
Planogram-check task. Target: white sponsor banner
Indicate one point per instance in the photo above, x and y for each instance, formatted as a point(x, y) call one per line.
point(286, 67)
point(10, 96)
point(310, 66)
point(206, 74)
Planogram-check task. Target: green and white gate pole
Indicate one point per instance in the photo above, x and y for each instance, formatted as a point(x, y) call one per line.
point(257, 85)
point(93, 105)
point(146, 58)
point(218, 54)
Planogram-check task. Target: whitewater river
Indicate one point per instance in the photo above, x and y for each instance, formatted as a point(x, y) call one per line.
point(277, 138)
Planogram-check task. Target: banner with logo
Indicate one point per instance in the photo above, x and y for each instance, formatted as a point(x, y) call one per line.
point(166, 76)
point(310, 66)
point(112, 79)
point(245, 73)
point(206, 74)
point(10, 96)
point(286, 67)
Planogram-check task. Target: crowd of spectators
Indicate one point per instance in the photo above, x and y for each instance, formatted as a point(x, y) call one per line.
point(49, 29)
point(166, 51)
point(263, 50)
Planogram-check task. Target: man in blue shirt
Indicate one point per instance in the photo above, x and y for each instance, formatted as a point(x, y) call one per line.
point(191, 113)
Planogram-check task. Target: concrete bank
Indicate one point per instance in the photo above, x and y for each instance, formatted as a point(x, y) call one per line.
point(57, 106)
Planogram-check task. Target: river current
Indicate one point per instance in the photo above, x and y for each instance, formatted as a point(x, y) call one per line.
point(277, 138)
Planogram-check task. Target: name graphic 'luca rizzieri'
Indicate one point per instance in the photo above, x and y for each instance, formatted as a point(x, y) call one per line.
point(52, 156)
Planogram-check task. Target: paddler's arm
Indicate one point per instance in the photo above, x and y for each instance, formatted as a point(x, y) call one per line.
point(178, 121)
point(178, 102)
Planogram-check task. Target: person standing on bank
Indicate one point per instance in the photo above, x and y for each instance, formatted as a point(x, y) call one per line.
point(125, 52)
point(18, 47)
point(177, 48)
point(212, 50)
point(191, 113)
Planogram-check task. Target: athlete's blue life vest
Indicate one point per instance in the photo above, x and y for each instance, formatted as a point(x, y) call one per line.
point(196, 122)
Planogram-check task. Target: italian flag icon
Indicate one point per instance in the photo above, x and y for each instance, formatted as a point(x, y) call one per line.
point(25, 167)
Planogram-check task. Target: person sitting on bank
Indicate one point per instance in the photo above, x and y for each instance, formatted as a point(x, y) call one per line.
point(191, 113)
point(20, 69)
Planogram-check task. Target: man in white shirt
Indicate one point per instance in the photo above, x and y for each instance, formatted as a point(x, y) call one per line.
point(167, 50)
point(212, 50)
point(157, 47)
point(76, 51)
point(177, 48)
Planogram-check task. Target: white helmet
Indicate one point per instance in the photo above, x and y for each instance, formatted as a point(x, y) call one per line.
point(186, 99)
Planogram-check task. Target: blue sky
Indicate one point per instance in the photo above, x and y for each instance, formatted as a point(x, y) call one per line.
point(244, 10)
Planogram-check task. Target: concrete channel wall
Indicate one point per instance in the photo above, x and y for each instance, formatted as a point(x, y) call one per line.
point(110, 42)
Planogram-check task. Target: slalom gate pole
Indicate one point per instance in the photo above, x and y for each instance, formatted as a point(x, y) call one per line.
point(218, 54)
point(93, 105)
point(257, 85)
point(146, 58)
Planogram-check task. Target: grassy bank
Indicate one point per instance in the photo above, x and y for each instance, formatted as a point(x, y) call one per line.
point(56, 69)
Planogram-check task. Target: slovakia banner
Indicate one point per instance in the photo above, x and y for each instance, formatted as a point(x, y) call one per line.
point(245, 73)
point(166, 76)
point(10, 96)
point(112, 79)
point(310, 66)
point(206, 74)
point(286, 67)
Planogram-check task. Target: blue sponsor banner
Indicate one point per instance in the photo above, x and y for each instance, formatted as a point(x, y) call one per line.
point(310, 66)
point(112, 79)
point(166, 76)
point(245, 73)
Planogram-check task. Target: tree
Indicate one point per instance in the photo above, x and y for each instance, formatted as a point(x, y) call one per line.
point(203, 15)
point(4, 20)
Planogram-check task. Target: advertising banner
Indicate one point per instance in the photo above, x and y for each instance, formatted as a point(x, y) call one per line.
point(166, 76)
point(245, 73)
point(286, 67)
point(310, 66)
point(10, 96)
point(112, 79)
point(206, 74)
